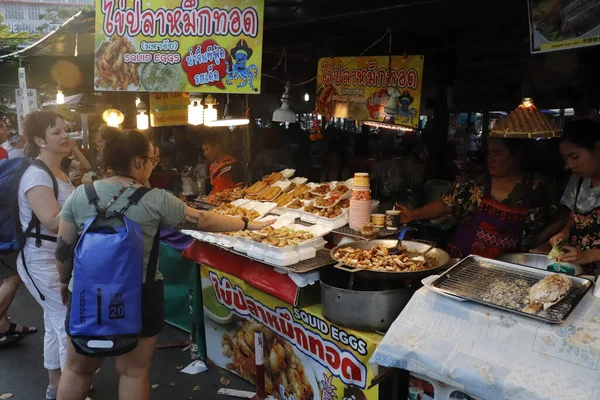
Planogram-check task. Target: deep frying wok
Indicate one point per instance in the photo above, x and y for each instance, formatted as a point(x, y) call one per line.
point(440, 256)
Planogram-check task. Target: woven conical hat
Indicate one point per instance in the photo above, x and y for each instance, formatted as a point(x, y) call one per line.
point(526, 122)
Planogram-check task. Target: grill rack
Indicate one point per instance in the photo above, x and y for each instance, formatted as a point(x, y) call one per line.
point(470, 278)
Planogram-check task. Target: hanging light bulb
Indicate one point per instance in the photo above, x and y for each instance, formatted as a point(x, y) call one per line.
point(228, 119)
point(306, 97)
point(137, 101)
point(210, 113)
point(195, 112)
point(142, 117)
point(60, 96)
point(285, 113)
point(113, 117)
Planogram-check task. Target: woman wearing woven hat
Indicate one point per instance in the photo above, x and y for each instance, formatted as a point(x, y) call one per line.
point(580, 148)
point(502, 210)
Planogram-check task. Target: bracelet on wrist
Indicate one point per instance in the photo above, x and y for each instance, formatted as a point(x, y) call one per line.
point(61, 280)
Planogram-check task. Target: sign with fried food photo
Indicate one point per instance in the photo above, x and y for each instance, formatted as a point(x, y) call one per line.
point(305, 356)
point(381, 89)
point(179, 46)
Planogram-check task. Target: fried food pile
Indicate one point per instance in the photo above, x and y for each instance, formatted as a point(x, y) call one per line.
point(226, 196)
point(295, 205)
point(282, 365)
point(340, 190)
point(281, 237)
point(233, 211)
point(111, 70)
point(378, 259)
point(331, 212)
point(547, 292)
point(274, 177)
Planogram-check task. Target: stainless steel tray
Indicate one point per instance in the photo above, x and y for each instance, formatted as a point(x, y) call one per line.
point(471, 278)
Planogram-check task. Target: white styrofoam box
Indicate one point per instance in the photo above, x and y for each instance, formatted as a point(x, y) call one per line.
point(241, 246)
point(240, 202)
point(299, 181)
point(256, 252)
point(226, 241)
point(288, 173)
point(284, 185)
point(264, 208)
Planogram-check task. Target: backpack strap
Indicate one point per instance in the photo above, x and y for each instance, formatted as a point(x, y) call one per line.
point(153, 260)
point(34, 223)
point(92, 195)
point(134, 199)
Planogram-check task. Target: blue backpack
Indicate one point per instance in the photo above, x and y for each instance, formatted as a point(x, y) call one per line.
point(12, 237)
point(105, 315)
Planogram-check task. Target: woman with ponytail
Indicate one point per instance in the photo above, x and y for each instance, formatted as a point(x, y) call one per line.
point(43, 190)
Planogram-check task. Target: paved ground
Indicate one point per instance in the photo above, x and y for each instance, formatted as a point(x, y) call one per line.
point(22, 373)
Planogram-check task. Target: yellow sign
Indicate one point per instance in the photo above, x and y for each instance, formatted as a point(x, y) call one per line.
point(305, 356)
point(179, 46)
point(371, 88)
point(168, 109)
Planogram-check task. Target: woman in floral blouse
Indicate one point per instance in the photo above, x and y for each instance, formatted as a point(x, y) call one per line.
point(499, 211)
point(580, 147)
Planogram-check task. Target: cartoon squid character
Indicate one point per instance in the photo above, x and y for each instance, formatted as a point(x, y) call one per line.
point(241, 53)
point(398, 106)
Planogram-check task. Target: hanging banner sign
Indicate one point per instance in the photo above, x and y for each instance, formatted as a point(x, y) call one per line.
point(168, 109)
point(179, 46)
point(305, 356)
point(561, 25)
point(371, 88)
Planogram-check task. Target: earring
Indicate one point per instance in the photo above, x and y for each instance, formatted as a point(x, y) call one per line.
point(43, 146)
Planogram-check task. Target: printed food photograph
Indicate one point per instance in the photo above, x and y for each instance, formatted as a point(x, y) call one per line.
point(112, 72)
point(558, 20)
point(283, 368)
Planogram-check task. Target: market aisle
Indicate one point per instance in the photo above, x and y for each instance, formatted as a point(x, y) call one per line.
point(22, 374)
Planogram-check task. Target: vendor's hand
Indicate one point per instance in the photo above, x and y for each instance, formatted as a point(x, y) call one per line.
point(406, 214)
point(559, 237)
point(258, 225)
point(579, 257)
point(64, 293)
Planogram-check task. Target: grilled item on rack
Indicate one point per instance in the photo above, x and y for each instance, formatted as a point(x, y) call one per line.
point(547, 292)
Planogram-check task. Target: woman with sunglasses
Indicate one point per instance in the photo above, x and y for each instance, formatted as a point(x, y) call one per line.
point(130, 156)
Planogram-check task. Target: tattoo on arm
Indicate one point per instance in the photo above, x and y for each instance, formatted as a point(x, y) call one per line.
point(64, 251)
point(190, 221)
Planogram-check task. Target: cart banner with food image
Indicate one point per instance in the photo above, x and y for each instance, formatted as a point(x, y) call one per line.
point(371, 88)
point(563, 24)
point(305, 356)
point(179, 46)
point(168, 109)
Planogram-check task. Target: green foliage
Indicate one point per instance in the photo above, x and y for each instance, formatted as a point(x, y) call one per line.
point(58, 15)
point(9, 41)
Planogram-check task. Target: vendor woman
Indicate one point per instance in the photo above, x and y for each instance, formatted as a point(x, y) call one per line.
point(580, 147)
point(225, 171)
point(503, 210)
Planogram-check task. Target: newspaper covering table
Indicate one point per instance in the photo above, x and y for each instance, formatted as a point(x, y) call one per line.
point(496, 355)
